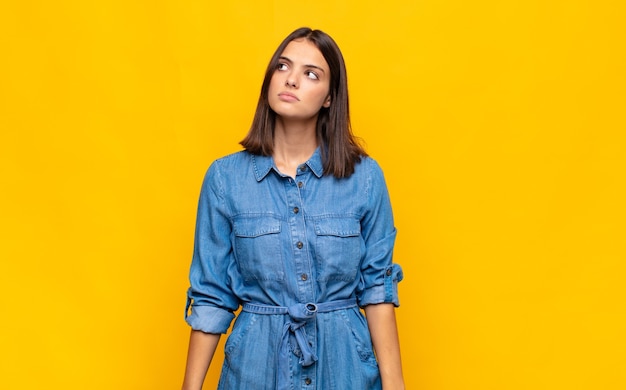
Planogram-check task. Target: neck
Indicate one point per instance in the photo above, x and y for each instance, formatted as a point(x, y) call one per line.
point(294, 143)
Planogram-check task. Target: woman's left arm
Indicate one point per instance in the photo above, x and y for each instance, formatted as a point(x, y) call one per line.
point(381, 320)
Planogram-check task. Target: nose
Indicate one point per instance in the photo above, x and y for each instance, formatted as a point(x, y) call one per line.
point(291, 81)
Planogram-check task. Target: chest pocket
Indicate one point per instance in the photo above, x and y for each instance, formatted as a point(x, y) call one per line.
point(338, 248)
point(257, 247)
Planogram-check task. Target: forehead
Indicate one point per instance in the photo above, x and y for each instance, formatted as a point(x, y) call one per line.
point(303, 51)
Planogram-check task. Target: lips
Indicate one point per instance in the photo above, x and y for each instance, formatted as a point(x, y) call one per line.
point(288, 97)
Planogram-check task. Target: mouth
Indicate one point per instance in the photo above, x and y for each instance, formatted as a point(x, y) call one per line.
point(288, 97)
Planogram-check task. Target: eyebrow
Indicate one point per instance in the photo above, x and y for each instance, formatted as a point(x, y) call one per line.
point(306, 65)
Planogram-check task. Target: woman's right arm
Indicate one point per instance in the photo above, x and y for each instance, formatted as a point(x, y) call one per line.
point(201, 349)
point(210, 300)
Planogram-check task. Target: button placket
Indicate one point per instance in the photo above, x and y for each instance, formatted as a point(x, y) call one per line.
point(297, 225)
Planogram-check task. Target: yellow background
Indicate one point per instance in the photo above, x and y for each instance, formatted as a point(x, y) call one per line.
point(499, 124)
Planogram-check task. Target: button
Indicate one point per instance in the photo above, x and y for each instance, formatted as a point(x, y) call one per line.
point(299, 244)
point(302, 168)
point(388, 272)
point(307, 381)
point(304, 277)
point(296, 210)
point(300, 184)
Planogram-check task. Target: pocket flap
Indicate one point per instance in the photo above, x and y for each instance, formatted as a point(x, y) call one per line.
point(340, 227)
point(256, 226)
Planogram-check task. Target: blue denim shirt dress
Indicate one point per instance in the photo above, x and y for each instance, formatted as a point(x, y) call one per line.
point(299, 256)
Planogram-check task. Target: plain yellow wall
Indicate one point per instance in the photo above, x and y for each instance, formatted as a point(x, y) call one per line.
point(499, 124)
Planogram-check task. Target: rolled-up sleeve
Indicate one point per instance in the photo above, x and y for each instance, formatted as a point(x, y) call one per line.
point(379, 276)
point(210, 300)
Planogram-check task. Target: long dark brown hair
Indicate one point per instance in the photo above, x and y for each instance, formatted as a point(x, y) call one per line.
point(339, 148)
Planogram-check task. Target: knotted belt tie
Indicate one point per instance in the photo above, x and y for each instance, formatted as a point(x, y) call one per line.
point(299, 314)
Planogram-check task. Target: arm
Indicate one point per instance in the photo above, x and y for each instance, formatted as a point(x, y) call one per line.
point(381, 320)
point(201, 349)
point(378, 292)
point(210, 300)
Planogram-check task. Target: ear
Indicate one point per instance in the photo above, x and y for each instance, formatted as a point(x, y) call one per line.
point(326, 102)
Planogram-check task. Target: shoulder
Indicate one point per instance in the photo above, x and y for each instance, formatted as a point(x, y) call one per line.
point(233, 159)
point(369, 171)
point(225, 166)
point(230, 162)
point(368, 167)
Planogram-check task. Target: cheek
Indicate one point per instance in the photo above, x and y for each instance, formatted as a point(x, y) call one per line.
point(322, 95)
point(276, 81)
point(272, 83)
point(272, 92)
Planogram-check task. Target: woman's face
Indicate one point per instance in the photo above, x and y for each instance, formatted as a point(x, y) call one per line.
point(300, 84)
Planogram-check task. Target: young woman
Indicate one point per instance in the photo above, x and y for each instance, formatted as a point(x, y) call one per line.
point(297, 229)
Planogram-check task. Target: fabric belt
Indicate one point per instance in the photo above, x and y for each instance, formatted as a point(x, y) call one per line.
point(299, 314)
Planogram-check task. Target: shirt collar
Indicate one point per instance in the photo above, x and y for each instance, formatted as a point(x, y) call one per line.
point(264, 164)
point(315, 163)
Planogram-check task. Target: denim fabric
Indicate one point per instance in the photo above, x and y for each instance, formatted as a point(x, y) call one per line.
point(267, 239)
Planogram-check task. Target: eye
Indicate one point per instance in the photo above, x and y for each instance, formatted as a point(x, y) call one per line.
point(312, 75)
point(281, 66)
